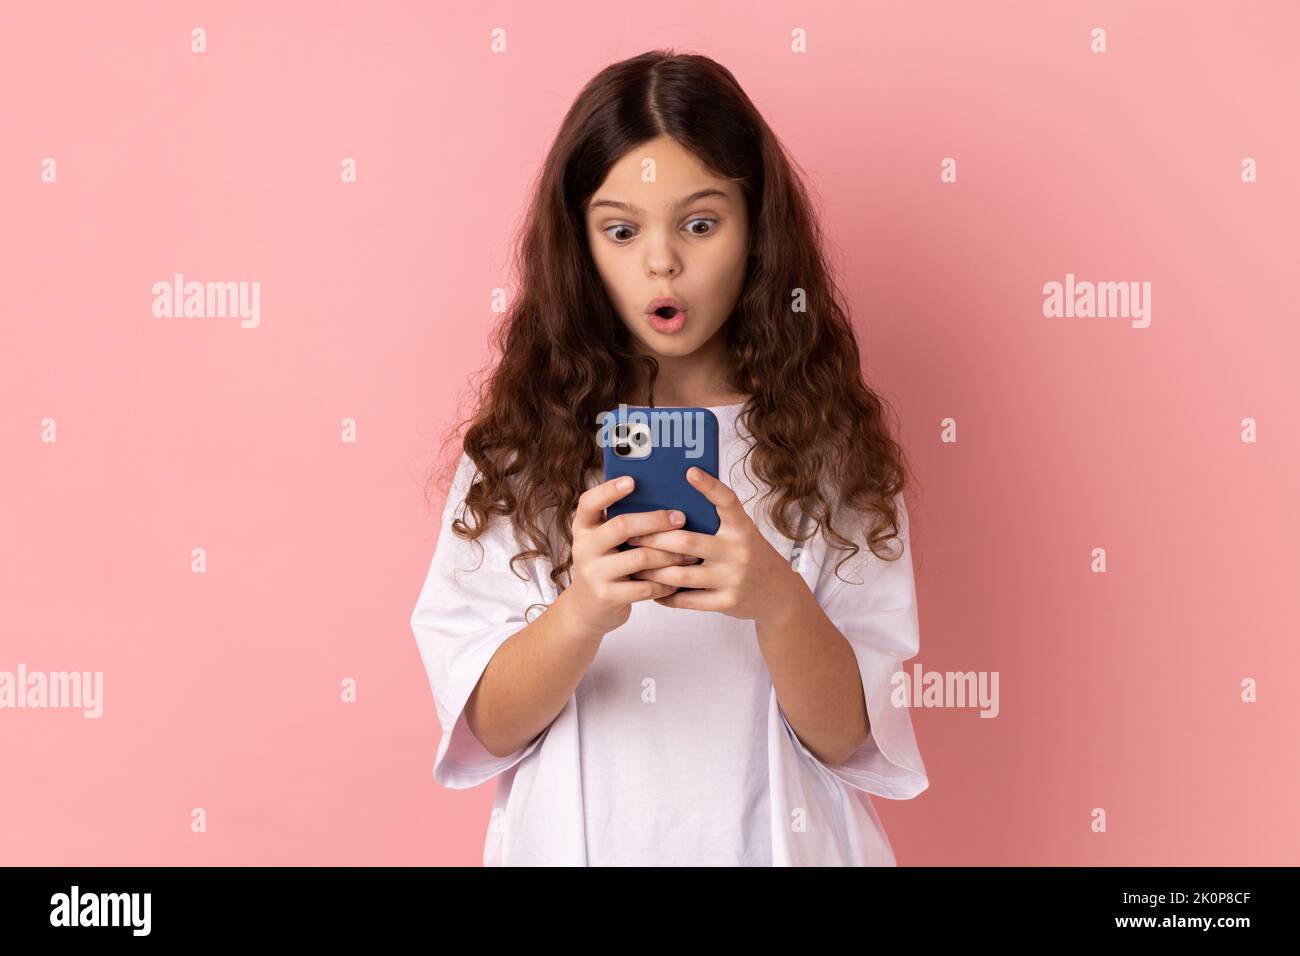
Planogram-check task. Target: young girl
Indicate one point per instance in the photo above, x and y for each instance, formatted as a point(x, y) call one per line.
point(626, 722)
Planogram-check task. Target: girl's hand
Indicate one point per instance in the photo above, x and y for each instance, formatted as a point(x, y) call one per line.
point(742, 575)
point(602, 591)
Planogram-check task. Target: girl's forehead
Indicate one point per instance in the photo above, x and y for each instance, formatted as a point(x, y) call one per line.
point(661, 169)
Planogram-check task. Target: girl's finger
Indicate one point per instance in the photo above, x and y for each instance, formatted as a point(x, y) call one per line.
point(593, 502)
point(691, 543)
point(619, 564)
point(691, 600)
point(621, 527)
point(629, 592)
point(695, 576)
point(721, 496)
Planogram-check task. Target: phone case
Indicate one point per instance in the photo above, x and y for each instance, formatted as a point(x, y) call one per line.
point(661, 476)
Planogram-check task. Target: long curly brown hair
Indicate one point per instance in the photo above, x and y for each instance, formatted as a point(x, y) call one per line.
point(563, 355)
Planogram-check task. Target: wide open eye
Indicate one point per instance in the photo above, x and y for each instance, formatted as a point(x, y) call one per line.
point(620, 225)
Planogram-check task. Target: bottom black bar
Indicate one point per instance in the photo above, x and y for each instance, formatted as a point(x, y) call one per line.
point(335, 905)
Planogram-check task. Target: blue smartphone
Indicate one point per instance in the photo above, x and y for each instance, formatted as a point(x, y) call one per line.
point(656, 446)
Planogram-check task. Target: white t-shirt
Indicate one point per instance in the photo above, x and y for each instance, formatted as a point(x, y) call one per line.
point(673, 749)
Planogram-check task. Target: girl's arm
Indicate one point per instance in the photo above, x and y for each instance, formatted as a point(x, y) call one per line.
point(533, 672)
point(530, 678)
point(834, 652)
point(815, 674)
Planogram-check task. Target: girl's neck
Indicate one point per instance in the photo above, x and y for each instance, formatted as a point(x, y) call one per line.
point(674, 396)
point(699, 380)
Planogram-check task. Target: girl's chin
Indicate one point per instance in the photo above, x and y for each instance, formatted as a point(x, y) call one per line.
point(670, 346)
point(688, 340)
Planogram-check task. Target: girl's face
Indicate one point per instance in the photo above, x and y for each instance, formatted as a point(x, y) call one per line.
point(669, 228)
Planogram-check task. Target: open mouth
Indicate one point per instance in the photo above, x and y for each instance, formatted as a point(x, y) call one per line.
point(667, 320)
point(666, 314)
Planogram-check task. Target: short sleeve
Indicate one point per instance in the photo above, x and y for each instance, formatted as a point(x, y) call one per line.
point(875, 609)
point(471, 603)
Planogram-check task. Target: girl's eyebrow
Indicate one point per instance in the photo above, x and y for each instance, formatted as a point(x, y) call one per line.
point(637, 211)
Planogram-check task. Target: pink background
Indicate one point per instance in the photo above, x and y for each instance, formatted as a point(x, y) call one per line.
point(222, 690)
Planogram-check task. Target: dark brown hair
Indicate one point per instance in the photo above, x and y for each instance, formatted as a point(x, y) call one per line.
point(820, 434)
